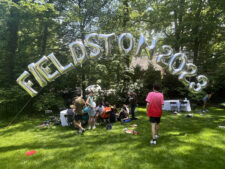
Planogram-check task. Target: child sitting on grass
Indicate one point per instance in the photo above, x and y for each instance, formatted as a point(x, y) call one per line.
point(123, 114)
point(99, 110)
point(106, 112)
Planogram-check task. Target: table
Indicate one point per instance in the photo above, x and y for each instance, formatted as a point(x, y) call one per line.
point(167, 107)
point(63, 119)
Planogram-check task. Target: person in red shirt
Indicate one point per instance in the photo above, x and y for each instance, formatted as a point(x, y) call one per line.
point(154, 110)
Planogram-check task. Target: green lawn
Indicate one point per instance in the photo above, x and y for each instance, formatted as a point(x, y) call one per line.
point(185, 143)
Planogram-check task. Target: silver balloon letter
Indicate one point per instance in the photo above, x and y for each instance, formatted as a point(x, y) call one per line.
point(161, 59)
point(45, 71)
point(106, 38)
point(61, 69)
point(80, 45)
point(32, 68)
point(97, 48)
point(203, 81)
point(193, 71)
point(121, 42)
point(182, 57)
point(143, 44)
point(26, 85)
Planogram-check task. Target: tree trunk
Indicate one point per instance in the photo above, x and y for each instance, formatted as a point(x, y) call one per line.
point(125, 13)
point(12, 43)
point(178, 19)
point(127, 58)
point(125, 20)
point(83, 77)
point(45, 32)
point(196, 33)
point(177, 33)
point(44, 39)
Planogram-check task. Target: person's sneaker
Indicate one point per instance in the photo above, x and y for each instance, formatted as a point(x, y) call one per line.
point(83, 130)
point(89, 127)
point(153, 142)
point(80, 131)
point(203, 111)
point(134, 118)
point(94, 127)
point(156, 136)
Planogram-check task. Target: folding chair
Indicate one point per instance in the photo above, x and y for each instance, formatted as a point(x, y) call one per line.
point(183, 105)
point(173, 106)
point(69, 119)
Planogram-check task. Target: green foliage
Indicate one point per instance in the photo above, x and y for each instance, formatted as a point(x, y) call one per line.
point(48, 101)
point(12, 95)
point(12, 100)
point(30, 29)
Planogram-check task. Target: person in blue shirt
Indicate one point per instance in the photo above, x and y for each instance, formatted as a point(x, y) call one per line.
point(91, 111)
point(205, 100)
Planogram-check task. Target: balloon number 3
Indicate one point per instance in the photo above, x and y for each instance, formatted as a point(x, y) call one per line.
point(183, 69)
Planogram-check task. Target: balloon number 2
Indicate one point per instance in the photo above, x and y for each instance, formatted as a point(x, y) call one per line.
point(177, 65)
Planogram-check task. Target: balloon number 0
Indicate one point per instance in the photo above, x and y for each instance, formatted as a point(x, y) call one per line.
point(184, 70)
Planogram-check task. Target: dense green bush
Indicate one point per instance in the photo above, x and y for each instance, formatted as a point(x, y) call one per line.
point(48, 101)
point(12, 100)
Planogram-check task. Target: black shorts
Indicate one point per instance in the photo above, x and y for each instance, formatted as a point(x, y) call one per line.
point(154, 119)
point(77, 117)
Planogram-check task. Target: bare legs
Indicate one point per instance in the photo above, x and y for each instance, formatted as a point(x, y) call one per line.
point(91, 122)
point(204, 106)
point(155, 130)
point(96, 117)
point(78, 124)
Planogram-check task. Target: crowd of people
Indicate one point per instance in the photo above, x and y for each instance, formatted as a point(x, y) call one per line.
point(106, 112)
point(100, 112)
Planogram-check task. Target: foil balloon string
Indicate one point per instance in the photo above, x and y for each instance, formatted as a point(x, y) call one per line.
point(43, 74)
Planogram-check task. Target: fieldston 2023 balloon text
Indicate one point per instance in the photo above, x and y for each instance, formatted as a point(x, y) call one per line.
point(43, 74)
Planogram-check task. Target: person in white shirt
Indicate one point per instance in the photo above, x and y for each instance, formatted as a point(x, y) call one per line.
point(99, 109)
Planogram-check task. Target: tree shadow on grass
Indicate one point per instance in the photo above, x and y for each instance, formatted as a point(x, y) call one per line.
point(181, 154)
point(177, 148)
point(28, 125)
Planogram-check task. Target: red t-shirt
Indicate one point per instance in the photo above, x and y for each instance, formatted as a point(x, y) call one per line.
point(155, 100)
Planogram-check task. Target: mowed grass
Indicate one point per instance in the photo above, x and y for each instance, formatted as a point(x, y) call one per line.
point(186, 143)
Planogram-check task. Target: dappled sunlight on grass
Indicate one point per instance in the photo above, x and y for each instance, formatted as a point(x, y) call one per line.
point(216, 109)
point(184, 149)
point(194, 142)
point(141, 109)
